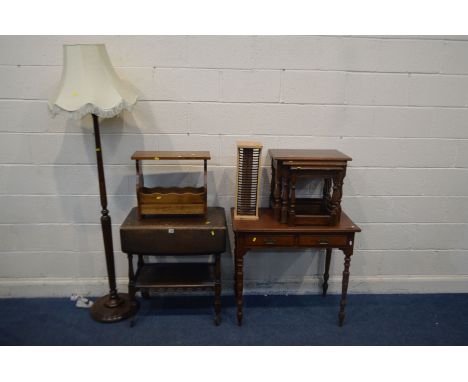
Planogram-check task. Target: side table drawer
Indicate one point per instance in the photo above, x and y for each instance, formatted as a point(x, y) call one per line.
point(273, 240)
point(316, 240)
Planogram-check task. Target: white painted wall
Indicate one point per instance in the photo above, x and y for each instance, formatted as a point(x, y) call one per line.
point(396, 105)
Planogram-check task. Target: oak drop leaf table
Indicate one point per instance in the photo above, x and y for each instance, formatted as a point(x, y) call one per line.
point(268, 232)
point(173, 236)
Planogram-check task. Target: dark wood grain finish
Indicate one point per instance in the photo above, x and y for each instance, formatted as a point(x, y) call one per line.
point(176, 275)
point(267, 223)
point(114, 306)
point(268, 232)
point(131, 277)
point(290, 165)
point(322, 240)
point(273, 240)
point(284, 195)
point(217, 287)
point(171, 155)
point(275, 197)
point(215, 218)
point(326, 274)
point(176, 235)
point(106, 223)
point(308, 155)
point(344, 285)
point(161, 236)
point(239, 271)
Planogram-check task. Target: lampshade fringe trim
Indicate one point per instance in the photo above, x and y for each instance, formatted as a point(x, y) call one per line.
point(92, 109)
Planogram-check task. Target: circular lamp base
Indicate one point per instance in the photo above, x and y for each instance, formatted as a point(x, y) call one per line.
point(102, 312)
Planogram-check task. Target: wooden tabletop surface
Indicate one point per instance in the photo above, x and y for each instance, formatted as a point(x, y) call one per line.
point(215, 218)
point(267, 223)
point(312, 155)
point(171, 155)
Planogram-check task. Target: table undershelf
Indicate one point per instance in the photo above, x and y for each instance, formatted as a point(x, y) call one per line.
point(176, 275)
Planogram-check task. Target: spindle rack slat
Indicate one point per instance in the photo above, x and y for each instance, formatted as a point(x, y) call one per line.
point(247, 180)
point(170, 200)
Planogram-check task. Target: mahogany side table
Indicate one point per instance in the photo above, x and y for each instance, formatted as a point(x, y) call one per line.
point(289, 164)
point(172, 236)
point(267, 232)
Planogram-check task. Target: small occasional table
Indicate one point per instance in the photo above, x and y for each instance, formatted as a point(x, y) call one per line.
point(287, 165)
point(268, 233)
point(172, 236)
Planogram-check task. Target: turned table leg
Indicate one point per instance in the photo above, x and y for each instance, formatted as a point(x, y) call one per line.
point(348, 252)
point(284, 195)
point(276, 194)
point(217, 289)
point(272, 186)
point(141, 262)
point(292, 202)
point(131, 278)
point(327, 182)
point(131, 285)
point(326, 274)
point(337, 193)
point(239, 271)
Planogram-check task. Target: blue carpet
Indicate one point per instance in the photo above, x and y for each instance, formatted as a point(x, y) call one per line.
point(435, 319)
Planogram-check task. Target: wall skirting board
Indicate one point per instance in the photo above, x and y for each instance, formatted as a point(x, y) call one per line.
point(64, 287)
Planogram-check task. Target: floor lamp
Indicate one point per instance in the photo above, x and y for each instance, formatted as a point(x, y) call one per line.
point(89, 85)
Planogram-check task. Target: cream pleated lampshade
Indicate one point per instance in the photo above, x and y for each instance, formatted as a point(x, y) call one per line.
point(89, 84)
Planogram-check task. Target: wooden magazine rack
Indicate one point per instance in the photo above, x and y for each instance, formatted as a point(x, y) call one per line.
point(170, 200)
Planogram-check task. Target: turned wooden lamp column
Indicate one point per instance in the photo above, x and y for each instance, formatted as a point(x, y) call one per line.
point(89, 85)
